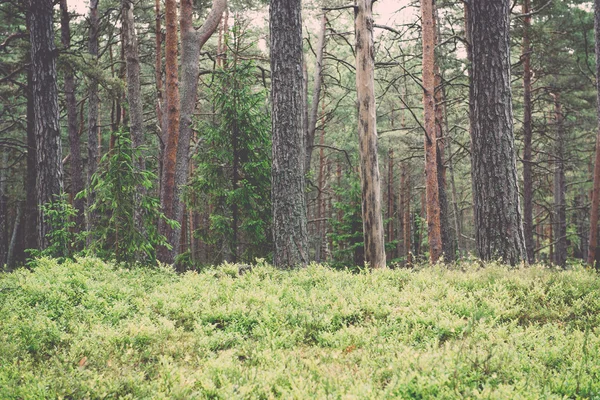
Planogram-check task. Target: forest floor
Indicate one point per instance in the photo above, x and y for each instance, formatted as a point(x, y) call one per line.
point(87, 329)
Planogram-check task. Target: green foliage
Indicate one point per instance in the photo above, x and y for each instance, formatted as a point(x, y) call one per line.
point(87, 329)
point(347, 232)
point(234, 166)
point(63, 241)
point(120, 190)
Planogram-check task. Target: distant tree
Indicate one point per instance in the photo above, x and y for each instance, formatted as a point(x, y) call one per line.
point(234, 166)
point(431, 145)
point(287, 86)
point(75, 163)
point(498, 224)
point(593, 244)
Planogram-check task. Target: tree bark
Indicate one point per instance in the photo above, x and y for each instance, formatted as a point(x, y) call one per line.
point(527, 137)
point(31, 209)
point(134, 98)
point(75, 163)
point(431, 147)
point(92, 145)
point(367, 136)
point(192, 41)
point(405, 184)
point(287, 102)
point(593, 243)
point(314, 107)
point(498, 224)
point(49, 181)
point(171, 137)
point(560, 187)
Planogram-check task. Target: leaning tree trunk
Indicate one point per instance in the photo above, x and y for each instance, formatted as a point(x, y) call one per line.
point(498, 224)
point(367, 136)
point(527, 138)
point(596, 191)
point(560, 187)
point(314, 107)
point(75, 163)
point(287, 101)
point(431, 148)
point(92, 162)
point(49, 181)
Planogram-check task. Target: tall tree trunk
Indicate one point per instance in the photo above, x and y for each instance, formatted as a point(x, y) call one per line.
point(560, 187)
point(158, 69)
point(134, 98)
point(321, 223)
point(527, 137)
point(49, 181)
point(593, 243)
point(390, 201)
point(498, 224)
point(75, 163)
point(167, 193)
point(406, 217)
point(287, 101)
point(31, 209)
point(431, 148)
point(192, 41)
point(314, 107)
point(92, 145)
point(367, 136)
point(3, 208)
point(134, 93)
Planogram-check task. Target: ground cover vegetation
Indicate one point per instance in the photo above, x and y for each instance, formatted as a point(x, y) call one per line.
point(88, 329)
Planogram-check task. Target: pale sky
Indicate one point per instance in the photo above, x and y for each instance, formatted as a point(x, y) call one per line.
point(385, 10)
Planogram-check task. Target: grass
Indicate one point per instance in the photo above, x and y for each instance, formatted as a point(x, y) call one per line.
point(87, 329)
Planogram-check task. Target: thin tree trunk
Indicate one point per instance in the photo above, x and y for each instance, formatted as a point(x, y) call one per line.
point(31, 209)
point(527, 137)
point(92, 145)
point(560, 187)
point(321, 195)
point(288, 135)
point(406, 208)
point(367, 134)
point(134, 98)
point(390, 201)
point(312, 117)
point(158, 68)
point(593, 243)
point(49, 181)
point(431, 148)
point(75, 163)
point(3, 209)
point(10, 257)
point(498, 224)
point(172, 135)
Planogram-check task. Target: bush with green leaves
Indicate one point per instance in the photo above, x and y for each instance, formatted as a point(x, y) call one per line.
point(63, 241)
point(119, 188)
point(234, 165)
point(87, 329)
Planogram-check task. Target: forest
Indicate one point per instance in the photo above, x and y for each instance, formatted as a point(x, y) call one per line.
point(299, 199)
point(195, 133)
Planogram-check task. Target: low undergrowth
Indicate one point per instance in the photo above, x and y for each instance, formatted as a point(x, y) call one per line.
point(87, 329)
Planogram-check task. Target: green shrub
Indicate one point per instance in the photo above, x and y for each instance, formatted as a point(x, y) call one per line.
point(87, 329)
